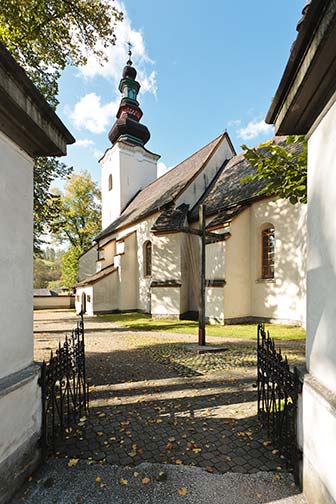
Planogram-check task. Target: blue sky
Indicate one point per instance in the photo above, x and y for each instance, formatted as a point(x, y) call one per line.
point(204, 67)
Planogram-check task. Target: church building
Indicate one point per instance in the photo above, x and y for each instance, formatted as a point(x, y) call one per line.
point(147, 256)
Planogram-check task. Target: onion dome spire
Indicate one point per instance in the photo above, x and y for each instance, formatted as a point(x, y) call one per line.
point(127, 125)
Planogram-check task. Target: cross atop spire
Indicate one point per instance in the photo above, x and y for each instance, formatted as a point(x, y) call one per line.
point(129, 62)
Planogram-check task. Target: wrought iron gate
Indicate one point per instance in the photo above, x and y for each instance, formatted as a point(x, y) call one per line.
point(278, 391)
point(64, 389)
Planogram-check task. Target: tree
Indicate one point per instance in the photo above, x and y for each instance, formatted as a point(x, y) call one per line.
point(79, 217)
point(283, 168)
point(70, 266)
point(45, 36)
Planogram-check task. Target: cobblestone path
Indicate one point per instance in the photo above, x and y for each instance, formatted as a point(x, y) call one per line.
point(144, 408)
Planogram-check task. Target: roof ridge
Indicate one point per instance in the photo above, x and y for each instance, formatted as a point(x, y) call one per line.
point(186, 159)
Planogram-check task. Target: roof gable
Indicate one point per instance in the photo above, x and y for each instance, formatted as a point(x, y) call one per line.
point(164, 190)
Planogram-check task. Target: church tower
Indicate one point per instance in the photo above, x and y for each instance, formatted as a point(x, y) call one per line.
point(128, 166)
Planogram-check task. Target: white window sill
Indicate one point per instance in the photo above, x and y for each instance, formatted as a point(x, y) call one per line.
point(265, 280)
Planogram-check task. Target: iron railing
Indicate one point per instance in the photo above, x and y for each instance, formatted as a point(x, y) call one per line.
point(278, 392)
point(65, 395)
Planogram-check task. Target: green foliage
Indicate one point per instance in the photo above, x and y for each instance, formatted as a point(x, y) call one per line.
point(47, 268)
point(70, 266)
point(45, 36)
point(283, 168)
point(143, 322)
point(78, 220)
point(46, 203)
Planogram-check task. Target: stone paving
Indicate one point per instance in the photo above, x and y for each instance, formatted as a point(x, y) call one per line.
point(146, 409)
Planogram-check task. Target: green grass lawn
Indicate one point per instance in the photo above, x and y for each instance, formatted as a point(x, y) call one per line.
point(143, 322)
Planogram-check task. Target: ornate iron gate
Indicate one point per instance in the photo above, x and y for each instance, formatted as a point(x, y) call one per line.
point(278, 391)
point(64, 389)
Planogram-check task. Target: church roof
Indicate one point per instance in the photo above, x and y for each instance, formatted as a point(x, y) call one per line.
point(91, 279)
point(164, 190)
point(229, 196)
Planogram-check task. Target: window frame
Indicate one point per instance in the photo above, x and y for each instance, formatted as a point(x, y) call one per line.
point(147, 258)
point(267, 252)
point(110, 182)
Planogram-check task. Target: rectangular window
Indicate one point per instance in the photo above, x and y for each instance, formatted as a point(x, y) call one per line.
point(100, 254)
point(268, 246)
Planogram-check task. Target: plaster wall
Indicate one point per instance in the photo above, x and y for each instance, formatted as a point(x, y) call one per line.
point(108, 254)
point(283, 297)
point(106, 293)
point(128, 274)
point(20, 413)
point(53, 302)
point(132, 168)
point(321, 324)
point(16, 269)
point(87, 263)
point(195, 190)
point(88, 290)
point(214, 305)
point(166, 301)
point(319, 437)
point(237, 292)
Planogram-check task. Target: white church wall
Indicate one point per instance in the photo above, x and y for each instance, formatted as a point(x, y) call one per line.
point(128, 274)
point(88, 291)
point(282, 298)
point(144, 234)
point(105, 294)
point(16, 230)
point(195, 190)
point(20, 394)
point(319, 391)
point(237, 291)
point(166, 302)
point(214, 305)
point(132, 168)
point(19, 429)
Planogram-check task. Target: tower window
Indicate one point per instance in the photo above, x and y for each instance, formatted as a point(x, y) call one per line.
point(268, 246)
point(110, 182)
point(148, 258)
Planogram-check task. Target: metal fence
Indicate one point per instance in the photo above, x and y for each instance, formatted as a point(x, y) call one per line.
point(278, 392)
point(64, 389)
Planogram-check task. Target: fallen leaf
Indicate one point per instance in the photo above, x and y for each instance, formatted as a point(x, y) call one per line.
point(182, 491)
point(73, 462)
point(277, 477)
point(178, 462)
point(145, 480)
point(100, 433)
point(267, 443)
point(98, 479)
point(209, 469)
point(123, 481)
point(30, 478)
point(275, 452)
point(169, 446)
point(135, 474)
point(162, 476)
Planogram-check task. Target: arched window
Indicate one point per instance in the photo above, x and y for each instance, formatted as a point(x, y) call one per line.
point(110, 182)
point(148, 258)
point(268, 246)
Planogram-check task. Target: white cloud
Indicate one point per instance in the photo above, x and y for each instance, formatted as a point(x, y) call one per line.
point(162, 169)
point(91, 115)
point(117, 56)
point(254, 129)
point(84, 142)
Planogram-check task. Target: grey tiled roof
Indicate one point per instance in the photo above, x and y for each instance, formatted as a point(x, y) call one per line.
point(172, 219)
point(228, 191)
point(164, 190)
